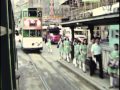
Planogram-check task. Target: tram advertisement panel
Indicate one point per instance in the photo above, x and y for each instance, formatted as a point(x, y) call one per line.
point(32, 23)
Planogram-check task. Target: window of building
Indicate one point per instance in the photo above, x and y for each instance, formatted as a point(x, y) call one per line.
point(115, 34)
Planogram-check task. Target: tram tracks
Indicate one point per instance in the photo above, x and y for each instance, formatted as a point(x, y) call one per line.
point(43, 58)
point(81, 84)
point(37, 59)
point(59, 72)
point(41, 78)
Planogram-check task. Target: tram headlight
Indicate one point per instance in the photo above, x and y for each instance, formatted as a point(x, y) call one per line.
point(38, 44)
point(33, 44)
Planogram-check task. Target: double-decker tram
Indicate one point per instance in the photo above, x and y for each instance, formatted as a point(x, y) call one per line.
point(31, 29)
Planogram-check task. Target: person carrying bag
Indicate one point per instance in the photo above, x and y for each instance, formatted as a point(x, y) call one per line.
point(113, 65)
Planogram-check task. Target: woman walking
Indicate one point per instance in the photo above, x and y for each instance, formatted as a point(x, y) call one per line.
point(61, 49)
point(67, 49)
point(49, 46)
point(76, 50)
point(83, 55)
point(113, 65)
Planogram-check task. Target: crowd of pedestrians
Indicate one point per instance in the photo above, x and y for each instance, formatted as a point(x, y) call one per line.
point(91, 54)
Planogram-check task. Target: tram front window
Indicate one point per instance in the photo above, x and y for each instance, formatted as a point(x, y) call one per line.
point(39, 33)
point(78, 32)
point(35, 33)
point(25, 33)
point(32, 33)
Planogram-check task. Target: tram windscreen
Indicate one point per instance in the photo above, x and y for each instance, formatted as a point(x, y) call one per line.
point(25, 33)
point(54, 31)
point(32, 33)
point(78, 32)
point(35, 33)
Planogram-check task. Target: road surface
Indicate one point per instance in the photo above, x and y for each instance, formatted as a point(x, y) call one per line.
point(41, 71)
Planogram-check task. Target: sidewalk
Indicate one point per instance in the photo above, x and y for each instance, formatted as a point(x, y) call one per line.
point(100, 84)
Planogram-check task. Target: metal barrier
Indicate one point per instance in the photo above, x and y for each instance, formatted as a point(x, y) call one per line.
point(105, 57)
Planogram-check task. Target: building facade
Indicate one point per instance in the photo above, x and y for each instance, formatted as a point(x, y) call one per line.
point(114, 34)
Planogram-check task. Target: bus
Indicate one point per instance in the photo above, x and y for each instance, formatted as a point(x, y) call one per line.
point(31, 28)
point(53, 33)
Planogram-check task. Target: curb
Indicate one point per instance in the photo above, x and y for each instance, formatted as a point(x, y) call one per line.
point(85, 79)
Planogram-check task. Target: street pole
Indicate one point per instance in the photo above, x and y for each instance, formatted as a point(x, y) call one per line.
point(72, 27)
point(91, 28)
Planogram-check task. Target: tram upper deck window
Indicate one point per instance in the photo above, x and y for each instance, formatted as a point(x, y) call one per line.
point(32, 12)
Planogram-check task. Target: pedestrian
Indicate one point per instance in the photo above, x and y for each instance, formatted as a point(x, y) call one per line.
point(113, 65)
point(61, 49)
point(96, 50)
point(67, 49)
point(76, 54)
point(45, 38)
point(83, 55)
point(49, 46)
point(91, 63)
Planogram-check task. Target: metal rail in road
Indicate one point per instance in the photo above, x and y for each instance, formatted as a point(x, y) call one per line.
point(40, 77)
point(63, 76)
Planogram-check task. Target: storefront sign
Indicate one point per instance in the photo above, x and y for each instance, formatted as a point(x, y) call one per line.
point(85, 15)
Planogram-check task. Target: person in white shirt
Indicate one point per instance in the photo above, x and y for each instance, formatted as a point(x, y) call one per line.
point(96, 50)
point(92, 64)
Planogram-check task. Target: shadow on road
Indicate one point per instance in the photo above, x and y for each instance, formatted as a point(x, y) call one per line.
point(32, 51)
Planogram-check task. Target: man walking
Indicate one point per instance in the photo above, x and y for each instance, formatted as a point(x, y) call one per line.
point(96, 50)
point(92, 64)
